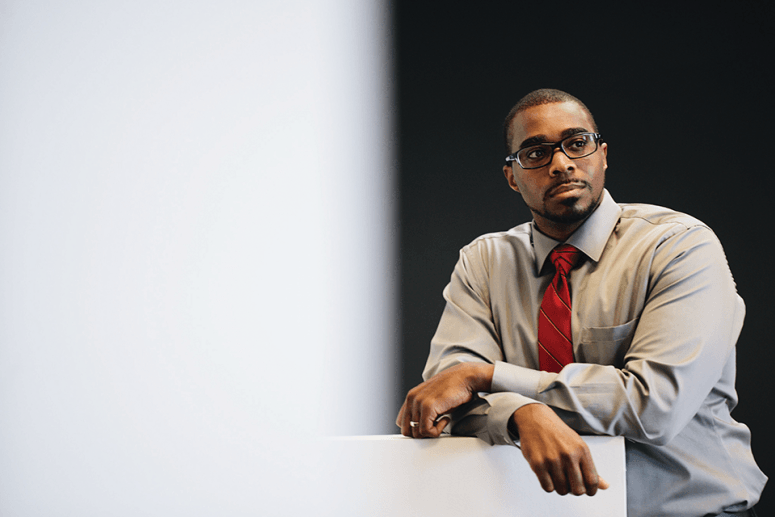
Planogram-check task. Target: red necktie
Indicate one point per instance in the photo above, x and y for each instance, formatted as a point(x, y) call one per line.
point(555, 343)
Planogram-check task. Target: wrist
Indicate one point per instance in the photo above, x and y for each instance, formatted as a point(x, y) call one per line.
point(481, 377)
point(530, 415)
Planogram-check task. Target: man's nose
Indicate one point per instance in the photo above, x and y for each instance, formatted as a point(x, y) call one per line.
point(560, 163)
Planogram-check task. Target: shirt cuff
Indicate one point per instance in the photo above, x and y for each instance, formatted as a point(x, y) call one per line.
point(516, 379)
point(502, 407)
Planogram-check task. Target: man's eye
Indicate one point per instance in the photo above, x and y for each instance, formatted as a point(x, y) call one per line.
point(577, 146)
point(536, 153)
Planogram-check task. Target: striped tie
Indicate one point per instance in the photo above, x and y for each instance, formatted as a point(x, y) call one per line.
point(555, 343)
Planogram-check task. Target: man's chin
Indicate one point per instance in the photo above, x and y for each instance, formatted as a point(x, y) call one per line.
point(571, 210)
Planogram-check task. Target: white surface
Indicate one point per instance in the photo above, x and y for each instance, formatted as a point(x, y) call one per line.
point(458, 476)
point(195, 238)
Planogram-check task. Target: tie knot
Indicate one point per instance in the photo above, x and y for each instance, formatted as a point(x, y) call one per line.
point(564, 257)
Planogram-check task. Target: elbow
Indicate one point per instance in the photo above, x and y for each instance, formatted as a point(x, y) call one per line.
point(646, 434)
point(653, 430)
point(659, 439)
point(654, 416)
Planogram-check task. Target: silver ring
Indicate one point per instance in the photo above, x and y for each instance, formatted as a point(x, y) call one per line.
point(414, 424)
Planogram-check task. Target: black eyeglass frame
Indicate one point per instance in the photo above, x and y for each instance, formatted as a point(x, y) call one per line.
point(596, 137)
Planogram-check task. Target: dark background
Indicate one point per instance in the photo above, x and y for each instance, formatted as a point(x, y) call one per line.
point(682, 96)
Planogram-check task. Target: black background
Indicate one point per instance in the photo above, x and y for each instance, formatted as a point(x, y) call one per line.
point(683, 96)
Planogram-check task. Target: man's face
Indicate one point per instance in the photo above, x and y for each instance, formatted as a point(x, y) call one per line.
point(563, 193)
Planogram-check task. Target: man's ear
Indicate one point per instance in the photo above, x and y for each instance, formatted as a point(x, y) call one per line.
point(508, 171)
point(604, 148)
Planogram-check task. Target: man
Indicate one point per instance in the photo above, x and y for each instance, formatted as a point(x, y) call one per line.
point(629, 331)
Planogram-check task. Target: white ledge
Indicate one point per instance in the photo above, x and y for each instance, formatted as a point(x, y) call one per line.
point(458, 476)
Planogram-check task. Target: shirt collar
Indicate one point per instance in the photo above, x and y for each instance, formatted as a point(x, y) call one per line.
point(591, 237)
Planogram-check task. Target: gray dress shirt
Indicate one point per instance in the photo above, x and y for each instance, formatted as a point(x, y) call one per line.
point(656, 316)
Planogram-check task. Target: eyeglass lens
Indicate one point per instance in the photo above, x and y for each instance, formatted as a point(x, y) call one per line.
point(575, 146)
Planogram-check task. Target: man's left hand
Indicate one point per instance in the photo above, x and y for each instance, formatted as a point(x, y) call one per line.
point(559, 457)
point(440, 394)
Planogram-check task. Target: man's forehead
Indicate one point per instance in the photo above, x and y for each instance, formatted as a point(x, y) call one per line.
point(550, 122)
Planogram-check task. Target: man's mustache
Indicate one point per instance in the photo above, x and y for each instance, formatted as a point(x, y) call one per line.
point(565, 183)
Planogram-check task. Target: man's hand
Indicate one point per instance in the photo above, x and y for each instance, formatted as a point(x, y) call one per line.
point(440, 394)
point(555, 452)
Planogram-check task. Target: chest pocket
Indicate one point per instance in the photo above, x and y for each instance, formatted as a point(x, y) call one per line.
point(605, 345)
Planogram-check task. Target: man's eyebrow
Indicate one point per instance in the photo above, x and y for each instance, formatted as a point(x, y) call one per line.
point(573, 131)
point(540, 139)
point(533, 140)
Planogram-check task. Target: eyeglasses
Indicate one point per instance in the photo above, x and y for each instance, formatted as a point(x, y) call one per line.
point(575, 147)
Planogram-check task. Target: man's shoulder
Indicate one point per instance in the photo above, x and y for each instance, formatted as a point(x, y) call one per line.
point(657, 216)
point(518, 236)
point(496, 249)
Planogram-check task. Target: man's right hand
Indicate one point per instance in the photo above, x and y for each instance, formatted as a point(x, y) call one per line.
point(555, 452)
point(445, 391)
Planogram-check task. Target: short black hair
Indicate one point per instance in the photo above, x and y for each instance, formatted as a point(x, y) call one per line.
point(537, 98)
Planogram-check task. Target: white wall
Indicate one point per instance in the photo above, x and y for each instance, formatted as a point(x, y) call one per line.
point(196, 251)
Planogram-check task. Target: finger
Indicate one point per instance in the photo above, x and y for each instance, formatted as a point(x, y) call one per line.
point(412, 412)
point(577, 481)
point(415, 412)
point(603, 484)
point(412, 424)
point(440, 424)
point(406, 430)
point(400, 417)
point(426, 413)
point(559, 479)
point(415, 424)
point(539, 468)
point(431, 427)
point(591, 480)
point(546, 480)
